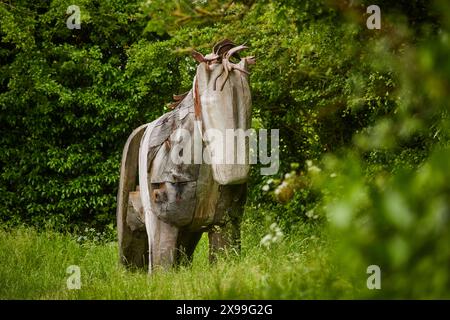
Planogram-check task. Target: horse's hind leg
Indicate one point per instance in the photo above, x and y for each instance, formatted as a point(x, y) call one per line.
point(187, 242)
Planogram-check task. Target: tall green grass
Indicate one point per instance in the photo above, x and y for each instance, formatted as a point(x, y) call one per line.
point(33, 266)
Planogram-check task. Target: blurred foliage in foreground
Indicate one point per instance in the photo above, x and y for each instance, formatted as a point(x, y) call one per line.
point(363, 117)
point(386, 195)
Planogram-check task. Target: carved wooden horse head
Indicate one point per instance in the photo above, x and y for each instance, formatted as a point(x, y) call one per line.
point(223, 102)
point(164, 205)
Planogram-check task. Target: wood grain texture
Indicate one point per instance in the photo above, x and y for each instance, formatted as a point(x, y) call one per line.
point(229, 108)
point(133, 245)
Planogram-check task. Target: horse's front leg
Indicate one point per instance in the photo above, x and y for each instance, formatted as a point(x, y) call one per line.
point(225, 235)
point(162, 240)
point(224, 238)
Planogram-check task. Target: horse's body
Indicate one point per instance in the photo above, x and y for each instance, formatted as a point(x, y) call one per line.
point(161, 221)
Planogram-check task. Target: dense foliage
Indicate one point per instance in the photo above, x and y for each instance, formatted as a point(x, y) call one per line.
point(363, 117)
point(69, 98)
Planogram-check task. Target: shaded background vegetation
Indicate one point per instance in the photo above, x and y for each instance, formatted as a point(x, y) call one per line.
point(363, 117)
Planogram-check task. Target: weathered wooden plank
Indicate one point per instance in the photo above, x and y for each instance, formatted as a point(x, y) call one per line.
point(174, 203)
point(150, 219)
point(135, 212)
point(206, 196)
point(163, 169)
point(169, 122)
point(133, 245)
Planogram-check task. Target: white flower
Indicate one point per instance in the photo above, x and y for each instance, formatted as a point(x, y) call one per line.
point(274, 235)
point(314, 169)
point(310, 213)
point(278, 237)
point(265, 188)
point(311, 167)
point(265, 241)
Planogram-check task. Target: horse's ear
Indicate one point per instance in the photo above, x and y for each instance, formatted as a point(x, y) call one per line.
point(198, 56)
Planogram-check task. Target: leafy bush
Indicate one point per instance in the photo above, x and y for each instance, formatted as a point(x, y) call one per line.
point(387, 198)
point(69, 99)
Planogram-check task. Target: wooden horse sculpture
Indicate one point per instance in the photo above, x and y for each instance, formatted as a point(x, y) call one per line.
point(164, 205)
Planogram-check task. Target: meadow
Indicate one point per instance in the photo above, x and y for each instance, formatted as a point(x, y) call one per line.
point(33, 266)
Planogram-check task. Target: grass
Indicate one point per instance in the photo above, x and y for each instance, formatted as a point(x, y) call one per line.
point(33, 266)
